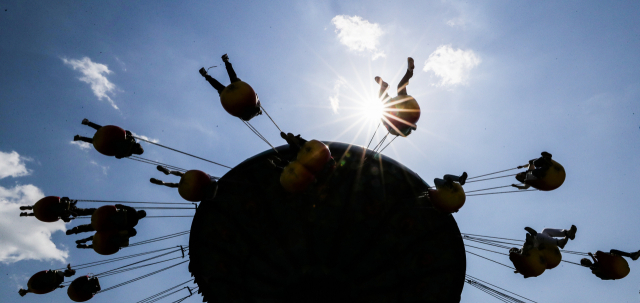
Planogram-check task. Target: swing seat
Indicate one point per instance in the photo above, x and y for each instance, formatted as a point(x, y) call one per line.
point(45, 209)
point(103, 218)
point(612, 266)
point(446, 199)
point(295, 178)
point(82, 289)
point(551, 254)
point(314, 155)
point(193, 184)
point(106, 242)
point(42, 283)
point(406, 109)
point(107, 139)
point(553, 178)
point(239, 99)
point(531, 264)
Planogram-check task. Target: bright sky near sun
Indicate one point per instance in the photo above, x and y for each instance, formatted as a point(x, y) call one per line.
point(497, 81)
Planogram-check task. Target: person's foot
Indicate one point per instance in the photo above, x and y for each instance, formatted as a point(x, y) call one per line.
point(571, 233)
point(545, 154)
point(530, 230)
point(203, 72)
point(156, 181)
point(82, 246)
point(463, 178)
point(23, 214)
point(163, 169)
point(225, 58)
point(411, 64)
point(634, 256)
point(562, 242)
point(76, 138)
point(85, 121)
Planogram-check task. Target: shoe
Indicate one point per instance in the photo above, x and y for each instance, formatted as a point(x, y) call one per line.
point(23, 214)
point(156, 181)
point(411, 64)
point(463, 178)
point(85, 121)
point(562, 242)
point(163, 169)
point(571, 233)
point(545, 154)
point(528, 240)
point(76, 138)
point(634, 256)
point(203, 72)
point(225, 58)
point(531, 231)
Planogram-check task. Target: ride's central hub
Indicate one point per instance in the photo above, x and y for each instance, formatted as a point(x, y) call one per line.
point(365, 233)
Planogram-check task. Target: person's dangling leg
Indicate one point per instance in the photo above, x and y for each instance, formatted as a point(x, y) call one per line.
point(384, 88)
point(634, 256)
point(166, 171)
point(24, 214)
point(402, 86)
point(215, 83)
point(232, 74)
point(560, 233)
point(159, 182)
point(85, 121)
point(83, 139)
point(85, 240)
point(80, 229)
point(28, 207)
point(460, 179)
point(543, 238)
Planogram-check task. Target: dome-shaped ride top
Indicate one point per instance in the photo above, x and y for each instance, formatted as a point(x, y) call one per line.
point(360, 235)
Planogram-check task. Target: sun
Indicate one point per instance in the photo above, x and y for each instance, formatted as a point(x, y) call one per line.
point(372, 110)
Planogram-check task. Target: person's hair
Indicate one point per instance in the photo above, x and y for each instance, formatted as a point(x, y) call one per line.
point(137, 149)
point(141, 214)
point(22, 292)
point(586, 262)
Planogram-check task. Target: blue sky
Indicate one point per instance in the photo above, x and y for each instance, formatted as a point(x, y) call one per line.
point(498, 82)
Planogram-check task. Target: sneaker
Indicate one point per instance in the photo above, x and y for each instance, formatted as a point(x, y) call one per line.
point(562, 242)
point(163, 169)
point(225, 58)
point(85, 121)
point(411, 64)
point(463, 178)
point(634, 256)
point(23, 215)
point(76, 138)
point(531, 231)
point(156, 181)
point(571, 233)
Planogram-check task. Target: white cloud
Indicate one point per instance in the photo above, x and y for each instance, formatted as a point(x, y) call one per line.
point(104, 168)
point(12, 165)
point(335, 99)
point(145, 137)
point(94, 75)
point(358, 34)
point(24, 238)
point(82, 145)
point(452, 66)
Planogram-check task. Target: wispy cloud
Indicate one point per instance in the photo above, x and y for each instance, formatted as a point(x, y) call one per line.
point(12, 165)
point(105, 169)
point(24, 238)
point(82, 145)
point(359, 35)
point(453, 66)
point(94, 75)
point(145, 137)
point(335, 99)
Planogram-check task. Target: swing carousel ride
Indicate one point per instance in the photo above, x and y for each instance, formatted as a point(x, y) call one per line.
point(308, 221)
